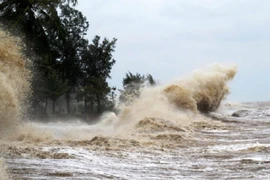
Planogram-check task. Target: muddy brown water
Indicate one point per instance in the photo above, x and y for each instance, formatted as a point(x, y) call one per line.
point(238, 150)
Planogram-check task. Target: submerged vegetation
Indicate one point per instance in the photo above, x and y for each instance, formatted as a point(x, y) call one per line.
point(69, 72)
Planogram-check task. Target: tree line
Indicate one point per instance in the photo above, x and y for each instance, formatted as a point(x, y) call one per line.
point(65, 63)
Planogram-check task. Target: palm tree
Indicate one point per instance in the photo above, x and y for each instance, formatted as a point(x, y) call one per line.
point(36, 19)
point(151, 80)
point(133, 79)
point(132, 84)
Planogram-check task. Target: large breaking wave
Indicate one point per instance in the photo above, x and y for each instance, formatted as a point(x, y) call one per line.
point(165, 113)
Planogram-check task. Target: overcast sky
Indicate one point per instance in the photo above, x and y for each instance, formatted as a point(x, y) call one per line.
point(170, 38)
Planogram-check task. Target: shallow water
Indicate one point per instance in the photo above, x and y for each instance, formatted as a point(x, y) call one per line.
point(239, 150)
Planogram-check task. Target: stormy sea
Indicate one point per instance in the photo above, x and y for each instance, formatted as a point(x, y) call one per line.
point(180, 130)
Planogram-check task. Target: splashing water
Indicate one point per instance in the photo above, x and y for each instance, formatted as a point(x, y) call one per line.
point(178, 103)
point(14, 87)
point(181, 101)
point(14, 83)
point(163, 116)
point(203, 91)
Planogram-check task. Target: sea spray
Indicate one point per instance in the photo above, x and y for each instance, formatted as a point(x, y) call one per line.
point(181, 101)
point(14, 84)
point(161, 109)
point(204, 90)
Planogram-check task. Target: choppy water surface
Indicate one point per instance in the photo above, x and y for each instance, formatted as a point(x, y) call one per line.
point(239, 150)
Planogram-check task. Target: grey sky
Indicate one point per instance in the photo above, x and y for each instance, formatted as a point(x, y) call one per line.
point(170, 38)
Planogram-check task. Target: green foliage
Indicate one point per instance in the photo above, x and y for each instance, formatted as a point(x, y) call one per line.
point(133, 83)
point(97, 58)
point(65, 63)
point(151, 80)
point(97, 62)
point(75, 26)
point(133, 80)
point(54, 86)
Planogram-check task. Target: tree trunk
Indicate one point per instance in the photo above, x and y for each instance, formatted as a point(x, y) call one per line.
point(53, 106)
point(68, 102)
point(91, 108)
point(46, 105)
point(98, 104)
point(85, 106)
